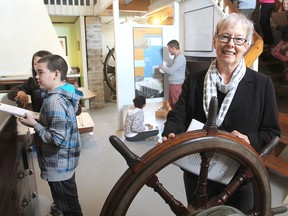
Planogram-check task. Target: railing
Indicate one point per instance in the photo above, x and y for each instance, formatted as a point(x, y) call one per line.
point(70, 7)
point(71, 2)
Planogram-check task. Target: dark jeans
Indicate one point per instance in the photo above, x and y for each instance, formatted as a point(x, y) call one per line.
point(266, 10)
point(65, 196)
point(143, 135)
point(242, 198)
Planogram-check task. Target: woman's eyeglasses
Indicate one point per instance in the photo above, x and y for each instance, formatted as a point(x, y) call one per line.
point(238, 41)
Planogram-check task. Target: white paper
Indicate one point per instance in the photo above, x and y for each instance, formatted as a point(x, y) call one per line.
point(17, 111)
point(222, 168)
point(195, 125)
point(84, 120)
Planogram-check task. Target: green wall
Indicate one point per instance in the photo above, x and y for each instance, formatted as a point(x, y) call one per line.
point(68, 30)
point(72, 33)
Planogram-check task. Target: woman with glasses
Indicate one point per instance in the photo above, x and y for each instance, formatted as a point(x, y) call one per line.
point(247, 105)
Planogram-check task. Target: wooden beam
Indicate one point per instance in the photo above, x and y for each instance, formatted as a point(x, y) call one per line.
point(255, 50)
point(102, 5)
point(133, 5)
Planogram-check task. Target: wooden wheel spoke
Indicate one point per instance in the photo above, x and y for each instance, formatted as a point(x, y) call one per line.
point(134, 161)
point(200, 197)
point(175, 205)
point(243, 175)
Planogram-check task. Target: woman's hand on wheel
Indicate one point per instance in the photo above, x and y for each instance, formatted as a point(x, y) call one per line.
point(164, 138)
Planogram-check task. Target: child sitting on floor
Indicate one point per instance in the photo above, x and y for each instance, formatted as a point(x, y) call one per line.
point(134, 128)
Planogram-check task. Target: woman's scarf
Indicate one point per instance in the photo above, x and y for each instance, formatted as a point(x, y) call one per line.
point(213, 80)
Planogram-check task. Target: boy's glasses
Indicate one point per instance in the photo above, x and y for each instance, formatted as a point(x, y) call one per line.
point(238, 41)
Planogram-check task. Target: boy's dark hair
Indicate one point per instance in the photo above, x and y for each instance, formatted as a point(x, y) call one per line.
point(174, 43)
point(139, 101)
point(55, 62)
point(40, 53)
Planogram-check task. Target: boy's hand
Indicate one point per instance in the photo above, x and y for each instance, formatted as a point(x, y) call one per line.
point(28, 120)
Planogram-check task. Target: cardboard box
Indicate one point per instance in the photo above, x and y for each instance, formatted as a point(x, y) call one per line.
point(85, 123)
point(162, 112)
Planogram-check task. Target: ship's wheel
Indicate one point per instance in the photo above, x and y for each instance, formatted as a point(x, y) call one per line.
point(109, 71)
point(143, 170)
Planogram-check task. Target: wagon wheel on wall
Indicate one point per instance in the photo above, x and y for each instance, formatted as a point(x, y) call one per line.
point(109, 70)
point(142, 171)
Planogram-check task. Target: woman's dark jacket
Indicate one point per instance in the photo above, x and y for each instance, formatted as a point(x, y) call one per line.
point(253, 110)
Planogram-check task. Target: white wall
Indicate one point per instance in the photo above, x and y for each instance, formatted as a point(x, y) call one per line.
point(25, 29)
point(192, 5)
point(107, 38)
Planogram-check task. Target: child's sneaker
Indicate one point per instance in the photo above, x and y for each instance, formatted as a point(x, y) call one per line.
point(55, 211)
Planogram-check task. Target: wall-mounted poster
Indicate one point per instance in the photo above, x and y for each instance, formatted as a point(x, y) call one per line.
point(148, 55)
point(199, 25)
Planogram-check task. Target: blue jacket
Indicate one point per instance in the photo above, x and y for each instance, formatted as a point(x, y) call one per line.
point(57, 137)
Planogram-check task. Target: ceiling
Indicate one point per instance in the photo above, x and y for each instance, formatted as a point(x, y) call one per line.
point(136, 10)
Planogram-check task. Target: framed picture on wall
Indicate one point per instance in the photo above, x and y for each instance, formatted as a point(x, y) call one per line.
point(198, 36)
point(63, 42)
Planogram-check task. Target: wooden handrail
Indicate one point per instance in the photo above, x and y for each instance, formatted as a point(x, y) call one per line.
point(255, 50)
